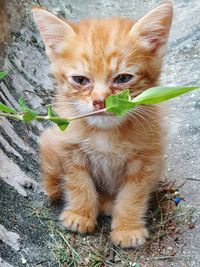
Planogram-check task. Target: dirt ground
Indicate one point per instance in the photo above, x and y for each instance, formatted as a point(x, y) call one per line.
point(30, 233)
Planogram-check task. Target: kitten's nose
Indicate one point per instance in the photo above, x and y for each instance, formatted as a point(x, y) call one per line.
point(98, 104)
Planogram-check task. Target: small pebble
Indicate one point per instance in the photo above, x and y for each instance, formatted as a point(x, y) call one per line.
point(170, 248)
point(191, 225)
point(28, 185)
point(23, 261)
point(177, 193)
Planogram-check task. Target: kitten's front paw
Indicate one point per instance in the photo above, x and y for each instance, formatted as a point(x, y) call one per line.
point(76, 222)
point(129, 238)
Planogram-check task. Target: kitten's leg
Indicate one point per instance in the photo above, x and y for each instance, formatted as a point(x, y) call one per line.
point(64, 171)
point(128, 225)
point(82, 201)
point(50, 164)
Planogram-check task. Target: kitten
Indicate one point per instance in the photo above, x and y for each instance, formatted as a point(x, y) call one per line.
point(104, 163)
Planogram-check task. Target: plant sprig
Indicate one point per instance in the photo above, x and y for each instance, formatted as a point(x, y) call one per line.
point(27, 114)
point(118, 104)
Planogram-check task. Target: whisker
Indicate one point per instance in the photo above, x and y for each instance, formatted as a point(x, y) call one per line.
point(141, 118)
point(133, 115)
point(145, 115)
point(142, 56)
point(148, 115)
point(147, 108)
point(65, 98)
point(149, 112)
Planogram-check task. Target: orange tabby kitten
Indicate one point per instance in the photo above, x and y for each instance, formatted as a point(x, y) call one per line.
point(104, 163)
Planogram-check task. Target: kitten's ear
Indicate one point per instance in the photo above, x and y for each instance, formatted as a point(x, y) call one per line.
point(153, 29)
point(54, 31)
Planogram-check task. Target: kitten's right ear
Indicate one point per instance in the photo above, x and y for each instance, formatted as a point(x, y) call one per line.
point(54, 31)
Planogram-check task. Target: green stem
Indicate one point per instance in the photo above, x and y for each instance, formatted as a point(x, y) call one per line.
point(13, 116)
point(39, 117)
point(44, 118)
point(88, 114)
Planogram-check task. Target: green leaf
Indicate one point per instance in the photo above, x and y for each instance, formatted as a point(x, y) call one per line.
point(28, 113)
point(51, 112)
point(122, 103)
point(124, 95)
point(119, 104)
point(159, 94)
point(7, 109)
point(22, 103)
point(2, 74)
point(61, 122)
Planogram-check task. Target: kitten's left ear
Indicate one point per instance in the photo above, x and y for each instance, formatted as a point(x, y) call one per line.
point(153, 29)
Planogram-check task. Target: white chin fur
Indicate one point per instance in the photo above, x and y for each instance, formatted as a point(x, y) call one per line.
point(100, 121)
point(103, 121)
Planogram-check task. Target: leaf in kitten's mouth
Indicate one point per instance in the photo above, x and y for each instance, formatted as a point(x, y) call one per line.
point(159, 94)
point(120, 104)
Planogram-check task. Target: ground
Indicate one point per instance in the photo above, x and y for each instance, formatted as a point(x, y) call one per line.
point(30, 234)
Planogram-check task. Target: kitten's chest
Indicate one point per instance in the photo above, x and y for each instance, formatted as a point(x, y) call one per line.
point(106, 163)
point(106, 170)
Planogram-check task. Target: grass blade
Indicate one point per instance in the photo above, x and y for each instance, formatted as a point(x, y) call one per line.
point(2, 74)
point(7, 109)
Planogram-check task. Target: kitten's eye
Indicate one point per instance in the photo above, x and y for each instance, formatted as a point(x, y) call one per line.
point(82, 80)
point(123, 78)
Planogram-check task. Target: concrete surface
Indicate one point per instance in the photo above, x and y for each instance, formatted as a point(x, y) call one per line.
point(20, 190)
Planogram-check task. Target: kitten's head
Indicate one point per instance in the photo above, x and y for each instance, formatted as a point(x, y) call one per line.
point(99, 57)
